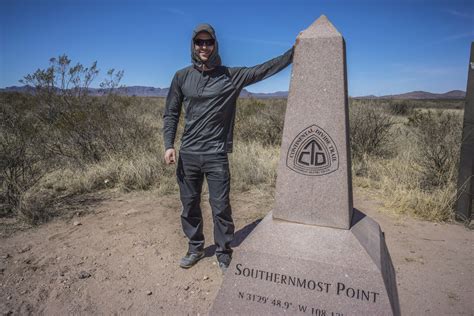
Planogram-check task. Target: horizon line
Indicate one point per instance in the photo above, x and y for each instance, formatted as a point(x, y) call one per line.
point(277, 91)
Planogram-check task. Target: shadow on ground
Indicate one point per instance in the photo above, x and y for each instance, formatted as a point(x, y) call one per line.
point(239, 237)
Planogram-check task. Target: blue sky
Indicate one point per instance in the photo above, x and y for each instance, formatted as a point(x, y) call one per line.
point(392, 46)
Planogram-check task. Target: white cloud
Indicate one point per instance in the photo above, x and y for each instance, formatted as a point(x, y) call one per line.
point(457, 36)
point(461, 14)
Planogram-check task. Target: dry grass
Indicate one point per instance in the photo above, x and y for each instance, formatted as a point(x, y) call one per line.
point(393, 171)
point(396, 182)
point(254, 165)
point(411, 181)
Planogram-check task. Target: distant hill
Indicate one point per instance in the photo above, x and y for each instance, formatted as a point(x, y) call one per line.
point(132, 90)
point(420, 95)
point(21, 89)
point(278, 94)
point(142, 91)
point(158, 92)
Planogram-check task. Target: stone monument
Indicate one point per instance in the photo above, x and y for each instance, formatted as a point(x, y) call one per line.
point(466, 163)
point(313, 254)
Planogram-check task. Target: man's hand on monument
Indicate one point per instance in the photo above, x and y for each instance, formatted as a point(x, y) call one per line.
point(170, 156)
point(297, 41)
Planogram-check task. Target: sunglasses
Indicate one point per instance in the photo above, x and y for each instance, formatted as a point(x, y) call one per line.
point(202, 42)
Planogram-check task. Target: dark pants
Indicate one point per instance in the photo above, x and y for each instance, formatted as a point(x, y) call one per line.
point(190, 172)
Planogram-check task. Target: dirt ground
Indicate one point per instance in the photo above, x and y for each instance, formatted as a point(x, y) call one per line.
point(121, 258)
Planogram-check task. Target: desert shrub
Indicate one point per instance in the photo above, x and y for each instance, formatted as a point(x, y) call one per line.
point(400, 107)
point(260, 121)
point(438, 138)
point(369, 131)
point(61, 126)
point(21, 155)
point(79, 126)
point(440, 104)
point(35, 207)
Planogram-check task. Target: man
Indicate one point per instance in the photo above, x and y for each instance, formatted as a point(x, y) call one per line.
point(209, 92)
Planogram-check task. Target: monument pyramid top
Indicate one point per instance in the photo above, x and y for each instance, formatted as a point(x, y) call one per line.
point(322, 27)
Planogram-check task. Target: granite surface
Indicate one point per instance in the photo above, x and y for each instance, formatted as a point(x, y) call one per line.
point(309, 270)
point(314, 254)
point(314, 179)
point(466, 165)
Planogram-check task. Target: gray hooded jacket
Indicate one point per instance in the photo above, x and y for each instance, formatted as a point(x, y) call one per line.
point(209, 99)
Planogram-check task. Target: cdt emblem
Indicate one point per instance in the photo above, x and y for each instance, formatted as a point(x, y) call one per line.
point(313, 153)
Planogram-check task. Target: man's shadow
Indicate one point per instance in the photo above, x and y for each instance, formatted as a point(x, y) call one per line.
point(241, 234)
point(239, 237)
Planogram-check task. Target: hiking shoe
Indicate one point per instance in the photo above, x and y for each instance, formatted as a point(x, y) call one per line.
point(223, 266)
point(224, 262)
point(190, 259)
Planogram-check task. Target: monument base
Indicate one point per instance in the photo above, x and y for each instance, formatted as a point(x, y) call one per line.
point(316, 271)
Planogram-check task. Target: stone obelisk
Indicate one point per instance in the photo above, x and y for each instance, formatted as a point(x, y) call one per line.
point(466, 163)
point(313, 254)
point(314, 175)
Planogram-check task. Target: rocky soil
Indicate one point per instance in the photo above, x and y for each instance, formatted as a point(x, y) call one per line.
point(121, 258)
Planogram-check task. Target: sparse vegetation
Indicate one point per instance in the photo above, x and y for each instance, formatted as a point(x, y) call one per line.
point(61, 142)
point(400, 107)
point(417, 175)
point(60, 130)
point(370, 131)
point(260, 121)
point(437, 136)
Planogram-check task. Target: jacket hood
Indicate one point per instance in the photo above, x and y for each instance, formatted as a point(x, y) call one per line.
point(214, 60)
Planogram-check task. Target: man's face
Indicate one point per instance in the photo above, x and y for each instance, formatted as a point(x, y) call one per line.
point(203, 45)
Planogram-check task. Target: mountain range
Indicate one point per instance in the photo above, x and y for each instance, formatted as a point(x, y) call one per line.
point(419, 95)
point(142, 91)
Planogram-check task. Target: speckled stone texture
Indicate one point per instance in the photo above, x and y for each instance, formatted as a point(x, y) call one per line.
point(286, 268)
point(305, 192)
point(466, 165)
point(313, 254)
